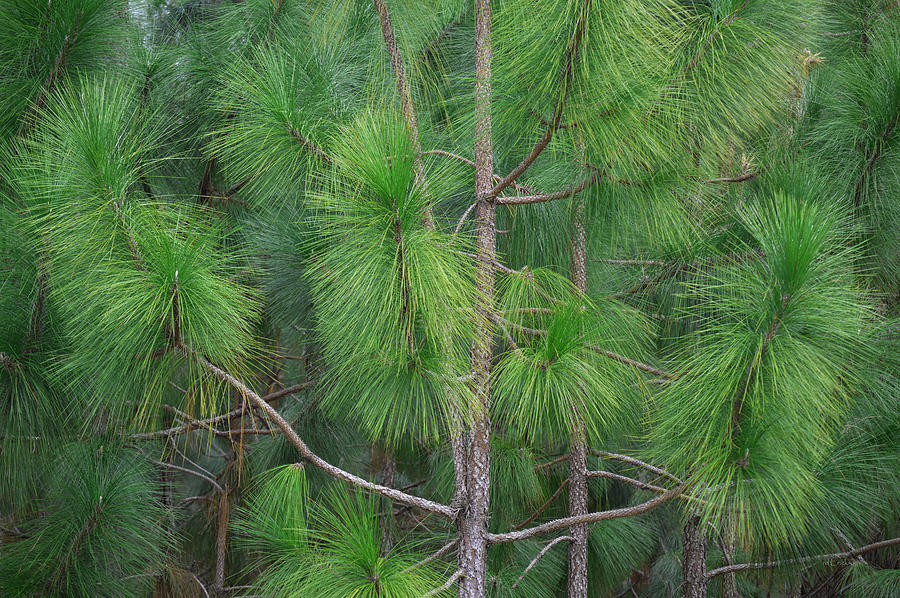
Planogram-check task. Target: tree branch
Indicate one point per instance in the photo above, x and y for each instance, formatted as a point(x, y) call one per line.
point(555, 122)
point(497, 177)
point(634, 262)
point(207, 423)
point(193, 473)
point(544, 197)
point(538, 557)
point(638, 484)
point(637, 364)
point(737, 179)
point(588, 518)
point(306, 453)
point(637, 463)
point(443, 550)
point(309, 145)
point(446, 586)
point(544, 506)
point(807, 559)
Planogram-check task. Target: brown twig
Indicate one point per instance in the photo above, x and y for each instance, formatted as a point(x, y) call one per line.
point(637, 364)
point(544, 506)
point(538, 557)
point(545, 197)
point(309, 455)
point(441, 552)
point(807, 559)
point(594, 517)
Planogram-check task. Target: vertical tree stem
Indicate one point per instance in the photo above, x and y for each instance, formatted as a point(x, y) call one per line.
point(693, 564)
point(474, 516)
point(578, 490)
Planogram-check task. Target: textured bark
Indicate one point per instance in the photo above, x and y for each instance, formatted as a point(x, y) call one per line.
point(578, 505)
point(222, 541)
point(729, 547)
point(578, 489)
point(474, 516)
point(386, 475)
point(693, 565)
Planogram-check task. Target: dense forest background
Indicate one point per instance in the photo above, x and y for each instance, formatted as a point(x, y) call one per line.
point(405, 298)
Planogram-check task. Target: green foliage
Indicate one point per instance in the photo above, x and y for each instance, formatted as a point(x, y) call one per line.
point(40, 44)
point(862, 580)
point(554, 383)
point(142, 278)
point(618, 547)
point(779, 340)
point(237, 182)
point(855, 137)
point(101, 535)
point(388, 291)
point(506, 568)
point(329, 548)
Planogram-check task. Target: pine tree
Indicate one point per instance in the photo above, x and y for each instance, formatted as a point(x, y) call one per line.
point(419, 298)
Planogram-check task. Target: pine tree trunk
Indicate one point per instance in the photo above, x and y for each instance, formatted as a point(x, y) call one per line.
point(386, 474)
point(578, 489)
point(578, 505)
point(729, 580)
point(474, 516)
point(693, 564)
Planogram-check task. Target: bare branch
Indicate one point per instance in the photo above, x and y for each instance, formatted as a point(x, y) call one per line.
point(737, 179)
point(539, 556)
point(544, 506)
point(544, 197)
point(633, 262)
point(637, 364)
point(193, 473)
point(453, 579)
point(465, 215)
point(843, 539)
point(560, 459)
point(443, 550)
point(556, 524)
point(207, 423)
point(199, 583)
point(638, 484)
point(637, 463)
point(306, 453)
point(807, 559)
point(509, 339)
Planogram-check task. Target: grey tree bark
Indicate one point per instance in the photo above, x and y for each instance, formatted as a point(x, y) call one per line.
point(474, 516)
point(693, 565)
point(578, 490)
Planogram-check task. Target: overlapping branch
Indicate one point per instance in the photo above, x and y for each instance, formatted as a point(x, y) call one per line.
point(566, 77)
point(538, 557)
point(594, 517)
point(807, 559)
point(309, 455)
